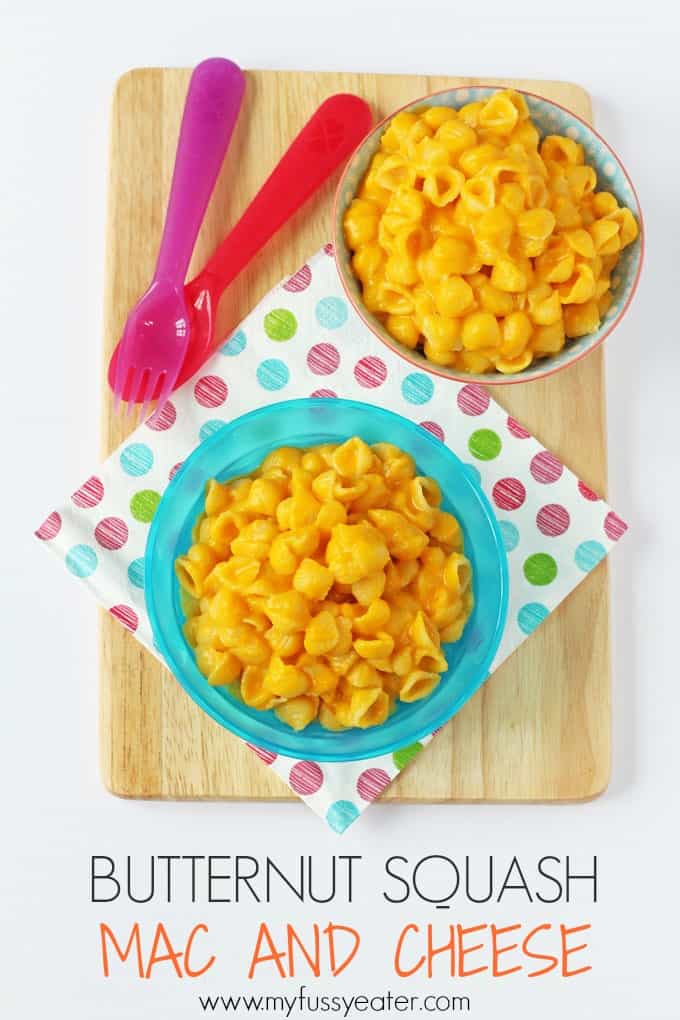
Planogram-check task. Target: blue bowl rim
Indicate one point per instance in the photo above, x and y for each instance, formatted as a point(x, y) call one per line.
point(272, 745)
point(372, 324)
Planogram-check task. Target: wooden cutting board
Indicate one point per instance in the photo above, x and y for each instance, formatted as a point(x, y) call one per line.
point(539, 729)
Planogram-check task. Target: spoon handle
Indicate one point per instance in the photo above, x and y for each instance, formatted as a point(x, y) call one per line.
point(328, 137)
point(210, 111)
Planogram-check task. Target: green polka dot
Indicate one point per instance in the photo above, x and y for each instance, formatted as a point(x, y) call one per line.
point(540, 569)
point(484, 444)
point(144, 504)
point(404, 755)
point(280, 324)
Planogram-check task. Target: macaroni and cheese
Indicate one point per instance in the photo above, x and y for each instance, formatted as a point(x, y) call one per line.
point(478, 242)
point(324, 584)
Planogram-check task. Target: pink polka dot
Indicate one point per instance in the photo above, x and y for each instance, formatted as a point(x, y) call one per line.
point(587, 493)
point(263, 754)
point(299, 281)
point(50, 527)
point(545, 468)
point(434, 428)
point(509, 494)
point(305, 778)
point(472, 399)
point(174, 469)
point(111, 533)
point(89, 494)
point(323, 359)
point(614, 527)
point(552, 520)
point(370, 372)
point(210, 391)
point(517, 430)
point(164, 418)
point(330, 394)
point(126, 616)
point(329, 249)
point(371, 783)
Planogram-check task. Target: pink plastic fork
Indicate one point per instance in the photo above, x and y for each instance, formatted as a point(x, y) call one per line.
point(156, 334)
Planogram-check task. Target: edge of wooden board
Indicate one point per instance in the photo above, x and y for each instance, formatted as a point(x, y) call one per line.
point(110, 631)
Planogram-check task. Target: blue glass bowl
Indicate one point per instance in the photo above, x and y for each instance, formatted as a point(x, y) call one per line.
point(550, 118)
point(239, 448)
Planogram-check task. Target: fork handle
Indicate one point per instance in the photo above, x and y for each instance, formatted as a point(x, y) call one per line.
point(210, 111)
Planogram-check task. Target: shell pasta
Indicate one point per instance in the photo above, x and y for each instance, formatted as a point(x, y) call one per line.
point(481, 244)
point(325, 583)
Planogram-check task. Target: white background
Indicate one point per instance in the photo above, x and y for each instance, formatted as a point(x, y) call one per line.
point(58, 64)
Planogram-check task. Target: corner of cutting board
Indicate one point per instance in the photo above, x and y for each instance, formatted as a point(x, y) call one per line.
point(122, 786)
point(602, 780)
point(131, 79)
point(109, 785)
point(585, 100)
point(124, 83)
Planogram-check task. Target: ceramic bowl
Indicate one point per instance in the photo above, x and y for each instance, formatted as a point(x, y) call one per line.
point(550, 118)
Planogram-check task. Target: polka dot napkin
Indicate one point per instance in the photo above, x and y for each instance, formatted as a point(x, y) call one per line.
point(305, 340)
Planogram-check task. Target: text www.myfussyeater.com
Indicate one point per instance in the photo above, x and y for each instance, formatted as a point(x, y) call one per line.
point(307, 1003)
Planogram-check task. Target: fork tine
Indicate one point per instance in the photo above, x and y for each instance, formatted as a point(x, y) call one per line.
point(131, 412)
point(127, 384)
point(150, 391)
point(126, 394)
point(141, 395)
point(131, 403)
point(166, 389)
point(134, 384)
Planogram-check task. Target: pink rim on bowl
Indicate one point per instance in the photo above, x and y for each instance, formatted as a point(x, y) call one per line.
point(574, 350)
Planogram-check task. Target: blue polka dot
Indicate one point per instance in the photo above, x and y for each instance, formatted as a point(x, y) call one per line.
point(136, 459)
point(589, 554)
point(417, 388)
point(341, 814)
point(331, 312)
point(209, 428)
point(272, 374)
point(81, 560)
point(473, 473)
point(235, 344)
point(530, 615)
point(135, 573)
point(510, 534)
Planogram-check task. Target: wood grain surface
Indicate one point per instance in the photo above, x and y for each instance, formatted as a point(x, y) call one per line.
point(539, 729)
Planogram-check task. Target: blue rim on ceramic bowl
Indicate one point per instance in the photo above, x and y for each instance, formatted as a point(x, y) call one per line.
point(238, 448)
point(550, 118)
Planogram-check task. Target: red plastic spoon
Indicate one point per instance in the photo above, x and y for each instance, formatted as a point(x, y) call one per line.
point(330, 136)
